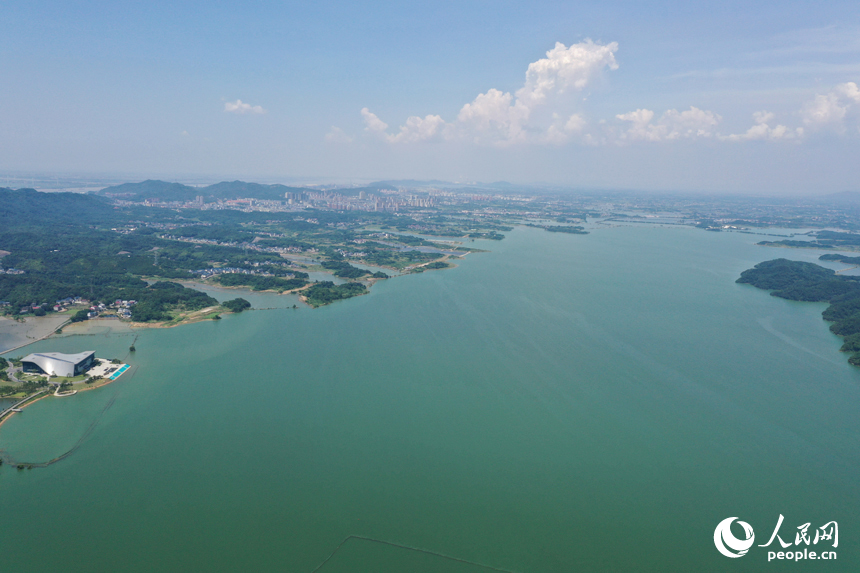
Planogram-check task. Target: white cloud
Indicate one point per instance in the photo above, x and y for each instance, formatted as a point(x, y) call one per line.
point(415, 129)
point(560, 131)
point(539, 112)
point(241, 107)
point(372, 123)
point(762, 131)
point(824, 110)
point(502, 118)
point(763, 117)
point(565, 68)
point(337, 135)
point(690, 124)
point(555, 136)
point(830, 110)
point(492, 117)
point(849, 90)
point(575, 123)
point(419, 129)
point(642, 129)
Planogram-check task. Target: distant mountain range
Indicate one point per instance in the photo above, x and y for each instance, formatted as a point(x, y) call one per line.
point(165, 191)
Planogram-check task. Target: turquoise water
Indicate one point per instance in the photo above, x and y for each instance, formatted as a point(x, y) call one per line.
point(562, 403)
point(119, 372)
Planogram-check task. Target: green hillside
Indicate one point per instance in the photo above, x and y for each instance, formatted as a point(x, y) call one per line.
point(165, 191)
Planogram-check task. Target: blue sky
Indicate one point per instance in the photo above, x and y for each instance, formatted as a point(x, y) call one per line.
point(731, 96)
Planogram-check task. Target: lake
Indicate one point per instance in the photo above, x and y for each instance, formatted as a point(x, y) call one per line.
point(562, 403)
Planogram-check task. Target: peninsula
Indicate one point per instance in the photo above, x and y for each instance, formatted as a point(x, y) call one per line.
point(801, 281)
point(108, 255)
point(36, 376)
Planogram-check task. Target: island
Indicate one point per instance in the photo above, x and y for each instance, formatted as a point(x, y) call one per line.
point(802, 281)
point(570, 229)
point(823, 239)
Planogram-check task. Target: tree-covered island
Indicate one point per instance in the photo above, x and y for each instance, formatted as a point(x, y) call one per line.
point(801, 281)
point(822, 239)
point(570, 229)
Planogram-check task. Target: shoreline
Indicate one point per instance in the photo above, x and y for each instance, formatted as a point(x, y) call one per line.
point(776, 245)
point(9, 416)
point(191, 318)
point(205, 314)
point(192, 284)
point(201, 316)
point(101, 383)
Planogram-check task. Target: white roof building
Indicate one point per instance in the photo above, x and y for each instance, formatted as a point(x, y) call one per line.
point(56, 364)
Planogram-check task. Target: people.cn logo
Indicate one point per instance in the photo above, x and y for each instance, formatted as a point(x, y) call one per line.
point(727, 543)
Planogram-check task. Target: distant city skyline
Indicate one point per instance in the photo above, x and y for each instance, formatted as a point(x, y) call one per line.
point(728, 97)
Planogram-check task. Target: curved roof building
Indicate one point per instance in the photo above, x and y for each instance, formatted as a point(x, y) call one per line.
point(56, 364)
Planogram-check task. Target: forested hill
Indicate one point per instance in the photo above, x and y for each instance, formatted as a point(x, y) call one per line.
point(165, 191)
point(28, 207)
point(796, 280)
point(60, 245)
point(152, 189)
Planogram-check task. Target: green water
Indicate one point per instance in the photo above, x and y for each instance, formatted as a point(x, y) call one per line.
point(562, 403)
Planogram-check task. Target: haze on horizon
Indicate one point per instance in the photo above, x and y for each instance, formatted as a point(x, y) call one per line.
point(728, 96)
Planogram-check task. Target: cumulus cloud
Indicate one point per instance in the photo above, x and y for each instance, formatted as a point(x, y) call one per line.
point(690, 124)
point(415, 129)
point(849, 91)
point(419, 129)
point(574, 124)
point(642, 128)
point(562, 129)
point(761, 130)
point(540, 112)
point(372, 123)
point(829, 111)
point(241, 107)
point(494, 116)
point(824, 110)
point(502, 118)
point(337, 135)
point(565, 68)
